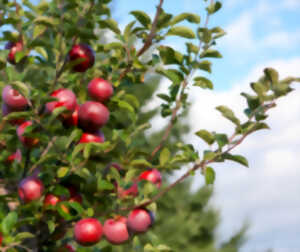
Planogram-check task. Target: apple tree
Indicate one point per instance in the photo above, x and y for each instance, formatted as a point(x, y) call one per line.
point(75, 175)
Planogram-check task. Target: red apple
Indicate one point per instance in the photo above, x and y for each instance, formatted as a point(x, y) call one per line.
point(73, 119)
point(30, 188)
point(7, 110)
point(51, 199)
point(1, 238)
point(26, 141)
point(115, 230)
point(92, 137)
point(153, 176)
point(14, 47)
point(88, 232)
point(65, 97)
point(92, 116)
point(17, 156)
point(100, 90)
point(84, 54)
point(131, 191)
point(139, 220)
point(14, 99)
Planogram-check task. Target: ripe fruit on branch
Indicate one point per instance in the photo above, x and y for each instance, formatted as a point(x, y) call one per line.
point(85, 56)
point(14, 99)
point(92, 116)
point(88, 232)
point(153, 176)
point(17, 156)
point(73, 119)
point(7, 110)
point(140, 220)
point(65, 97)
point(115, 230)
point(30, 188)
point(51, 199)
point(100, 90)
point(26, 141)
point(14, 47)
point(92, 137)
point(1, 238)
point(131, 191)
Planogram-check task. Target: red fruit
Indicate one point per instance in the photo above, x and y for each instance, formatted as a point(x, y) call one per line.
point(100, 90)
point(66, 248)
point(73, 119)
point(131, 191)
point(51, 199)
point(153, 176)
point(92, 138)
point(1, 238)
point(65, 97)
point(17, 156)
point(88, 232)
point(92, 116)
point(115, 230)
point(14, 47)
point(139, 220)
point(7, 110)
point(14, 99)
point(30, 189)
point(27, 141)
point(85, 56)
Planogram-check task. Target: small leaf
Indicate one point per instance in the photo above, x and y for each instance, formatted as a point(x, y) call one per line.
point(23, 235)
point(21, 87)
point(203, 65)
point(209, 155)
point(47, 21)
point(164, 156)
point(140, 163)
point(103, 185)
point(142, 17)
point(110, 24)
point(181, 31)
point(214, 7)
point(192, 48)
point(9, 222)
point(42, 51)
point(210, 53)
point(203, 83)
point(272, 75)
point(228, 113)
point(237, 158)
point(206, 136)
point(221, 139)
point(210, 175)
point(19, 56)
point(62, 172)
point(173, 75)
point(190, 17)
point(38, 30)
point(170, 56)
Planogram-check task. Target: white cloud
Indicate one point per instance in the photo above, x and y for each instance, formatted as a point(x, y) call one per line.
point(267, 193)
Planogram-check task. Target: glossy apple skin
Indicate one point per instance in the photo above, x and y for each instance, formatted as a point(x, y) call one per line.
point(115, 230)
point(14, 99)
point(153, 176)
point(85, 52)
point(17, 156)
point(30, 188)
point(88, 232)
point(100, 90)
point(92, 116)
point(26, 141)
point(139, 220)
point(92, 138)
point(72, 120)
point(7, 110)
point(51, 200)
point(14, 47)
point(65, 97)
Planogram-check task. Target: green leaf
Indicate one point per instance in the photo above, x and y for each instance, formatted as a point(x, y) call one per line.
point(9, 222)
point(140, 163)
point(38, 30)
point(190, 17)
point(203, 83)
point(272, 75)
point(203, 65)
point(103, 185)
point(204, 35)
point(74, 137)
point(210, 175)
point(19, 56)
point(142, 17)
point(47, 21)
point(209, 155)
point(164, 156)
point(62, 172)
point(23, 235)
point(210, 53)
point(164, 97)
point(21, 87)
point(51, 226)
point(228, 113)
point(127, 30)
point(170, 56)
point(214, 7)
point(110, 24)
point(192, 48)
point(221, 139)
point(206, 136)
point(126, 105)
point(76, 206)
point(236, 158)
point(173, 75)
point(42, 51)
point(181, 31)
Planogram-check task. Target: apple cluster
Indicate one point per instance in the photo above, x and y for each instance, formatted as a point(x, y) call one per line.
point(90, 116)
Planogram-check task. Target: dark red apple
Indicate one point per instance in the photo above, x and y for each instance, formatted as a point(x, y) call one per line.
point(84, 54)
point(92, 137)
point(1, 238)
point(115, 230)
point(73, 119)
point(30, 188)
point(139, 220)
point(92, 116)
point(7, 110)
point(100, 90)
point(88, 232)
point(14, 47)
point(14, 99)
point(153, 176)
point(26, 141)
point(17, 156)
point(51, 199)
point(65, 97)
